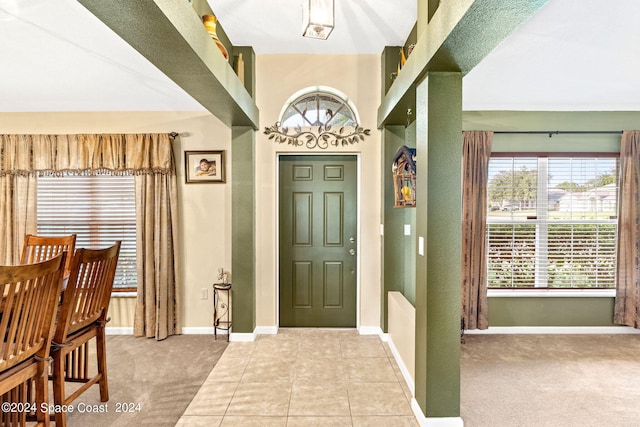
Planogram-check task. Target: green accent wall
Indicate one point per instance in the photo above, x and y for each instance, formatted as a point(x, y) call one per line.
point(243, 275)
point(438, 221)
point(398, 262)
point(549, 311)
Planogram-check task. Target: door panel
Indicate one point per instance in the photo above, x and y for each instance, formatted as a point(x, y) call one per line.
point(302, 211)
point(302, 285)
point(333, 219)
point(318, 225)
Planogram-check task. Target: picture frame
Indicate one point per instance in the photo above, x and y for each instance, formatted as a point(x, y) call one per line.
point(204, 167)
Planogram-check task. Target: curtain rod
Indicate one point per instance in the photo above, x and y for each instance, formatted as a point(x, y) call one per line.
point(173, 134)
point(558, 132)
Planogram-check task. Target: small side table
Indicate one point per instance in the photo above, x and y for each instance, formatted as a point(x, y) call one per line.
point(221, 308)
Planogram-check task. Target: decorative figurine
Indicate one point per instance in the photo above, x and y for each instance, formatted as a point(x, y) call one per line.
point(223, 276)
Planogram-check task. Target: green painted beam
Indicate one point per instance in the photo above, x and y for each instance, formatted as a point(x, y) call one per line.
point(459, 35)
point(170, 34)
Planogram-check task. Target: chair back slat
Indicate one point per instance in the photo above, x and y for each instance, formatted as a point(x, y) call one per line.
point(30, 295)
point(41, 248)
point(86, 298)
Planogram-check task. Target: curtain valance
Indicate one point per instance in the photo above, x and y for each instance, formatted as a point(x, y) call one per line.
point(120, 154)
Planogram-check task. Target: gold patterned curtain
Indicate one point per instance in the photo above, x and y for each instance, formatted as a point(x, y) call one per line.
point(104, 153)
point(147, 156)
point(627, 305)
point(156, 223)
point(17, 214)
point(475, 166)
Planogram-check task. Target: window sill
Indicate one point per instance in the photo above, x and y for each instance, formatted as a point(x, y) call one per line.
point(552, 293)
point(123, 294)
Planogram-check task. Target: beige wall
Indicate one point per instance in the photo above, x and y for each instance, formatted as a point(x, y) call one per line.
point(278, 78)
point(205, 209)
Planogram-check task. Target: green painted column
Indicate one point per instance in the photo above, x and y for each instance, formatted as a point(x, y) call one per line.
point(243, 229)
point(438, 263)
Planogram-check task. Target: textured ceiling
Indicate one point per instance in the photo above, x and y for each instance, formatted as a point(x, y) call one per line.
point(572, 55)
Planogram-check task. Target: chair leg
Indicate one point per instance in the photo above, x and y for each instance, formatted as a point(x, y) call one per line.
point(58, 388)
point(101, 352)
point(42, 394)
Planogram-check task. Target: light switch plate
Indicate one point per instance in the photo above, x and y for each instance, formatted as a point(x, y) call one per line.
point(407, 229)
point(421, 246)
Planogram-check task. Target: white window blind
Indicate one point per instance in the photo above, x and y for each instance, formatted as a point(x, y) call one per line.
point(552, 222)
point(99, 209)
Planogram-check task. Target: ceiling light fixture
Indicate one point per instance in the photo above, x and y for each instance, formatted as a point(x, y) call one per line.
point(317, 18)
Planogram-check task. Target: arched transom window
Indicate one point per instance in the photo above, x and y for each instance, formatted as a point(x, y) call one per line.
point(318, 106)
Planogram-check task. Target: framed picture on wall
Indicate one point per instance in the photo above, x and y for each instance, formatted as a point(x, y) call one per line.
point(204, 166)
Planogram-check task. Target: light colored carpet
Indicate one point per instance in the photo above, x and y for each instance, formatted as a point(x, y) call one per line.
point(161, 376)
point(550, 380)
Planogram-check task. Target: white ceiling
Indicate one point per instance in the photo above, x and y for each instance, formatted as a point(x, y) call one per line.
point(275, 26)
point(573, 55)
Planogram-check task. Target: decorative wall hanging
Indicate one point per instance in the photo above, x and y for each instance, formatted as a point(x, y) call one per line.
point(317, 137)
point(204, 166)
point(404, 177)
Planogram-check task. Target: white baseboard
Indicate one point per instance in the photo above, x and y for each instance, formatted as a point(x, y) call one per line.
point(403, 368)
point(118, 330)
point(242, 337)
point(554, 330)
point(370, 330)
point(434, 422)
point(201, 330)
point(266, 330)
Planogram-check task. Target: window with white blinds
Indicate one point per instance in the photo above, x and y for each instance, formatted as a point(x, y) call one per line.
point(552, 222)
point(99, 209)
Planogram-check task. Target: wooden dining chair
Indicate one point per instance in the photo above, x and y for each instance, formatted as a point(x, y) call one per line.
point(30, 295)
point(82, 316)
point(39, 248)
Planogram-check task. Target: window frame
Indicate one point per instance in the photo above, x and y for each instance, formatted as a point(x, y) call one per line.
point(318, 91)
point(544, 291)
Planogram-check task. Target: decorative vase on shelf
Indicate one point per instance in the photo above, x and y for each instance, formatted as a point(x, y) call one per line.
point(210, 22)
point(240, 68)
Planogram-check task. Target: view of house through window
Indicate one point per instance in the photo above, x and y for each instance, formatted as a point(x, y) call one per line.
point(551, 222)
point(99, 209)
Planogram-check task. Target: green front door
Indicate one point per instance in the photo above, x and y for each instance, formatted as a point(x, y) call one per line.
point(318, 241)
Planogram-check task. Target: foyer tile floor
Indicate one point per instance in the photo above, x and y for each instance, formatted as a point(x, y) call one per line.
point(304, 377)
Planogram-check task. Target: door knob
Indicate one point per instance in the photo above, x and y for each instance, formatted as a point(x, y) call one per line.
point(352, 251)
point(352, 239)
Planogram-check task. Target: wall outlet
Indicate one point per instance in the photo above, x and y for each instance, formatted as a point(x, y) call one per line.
point(204, 293)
